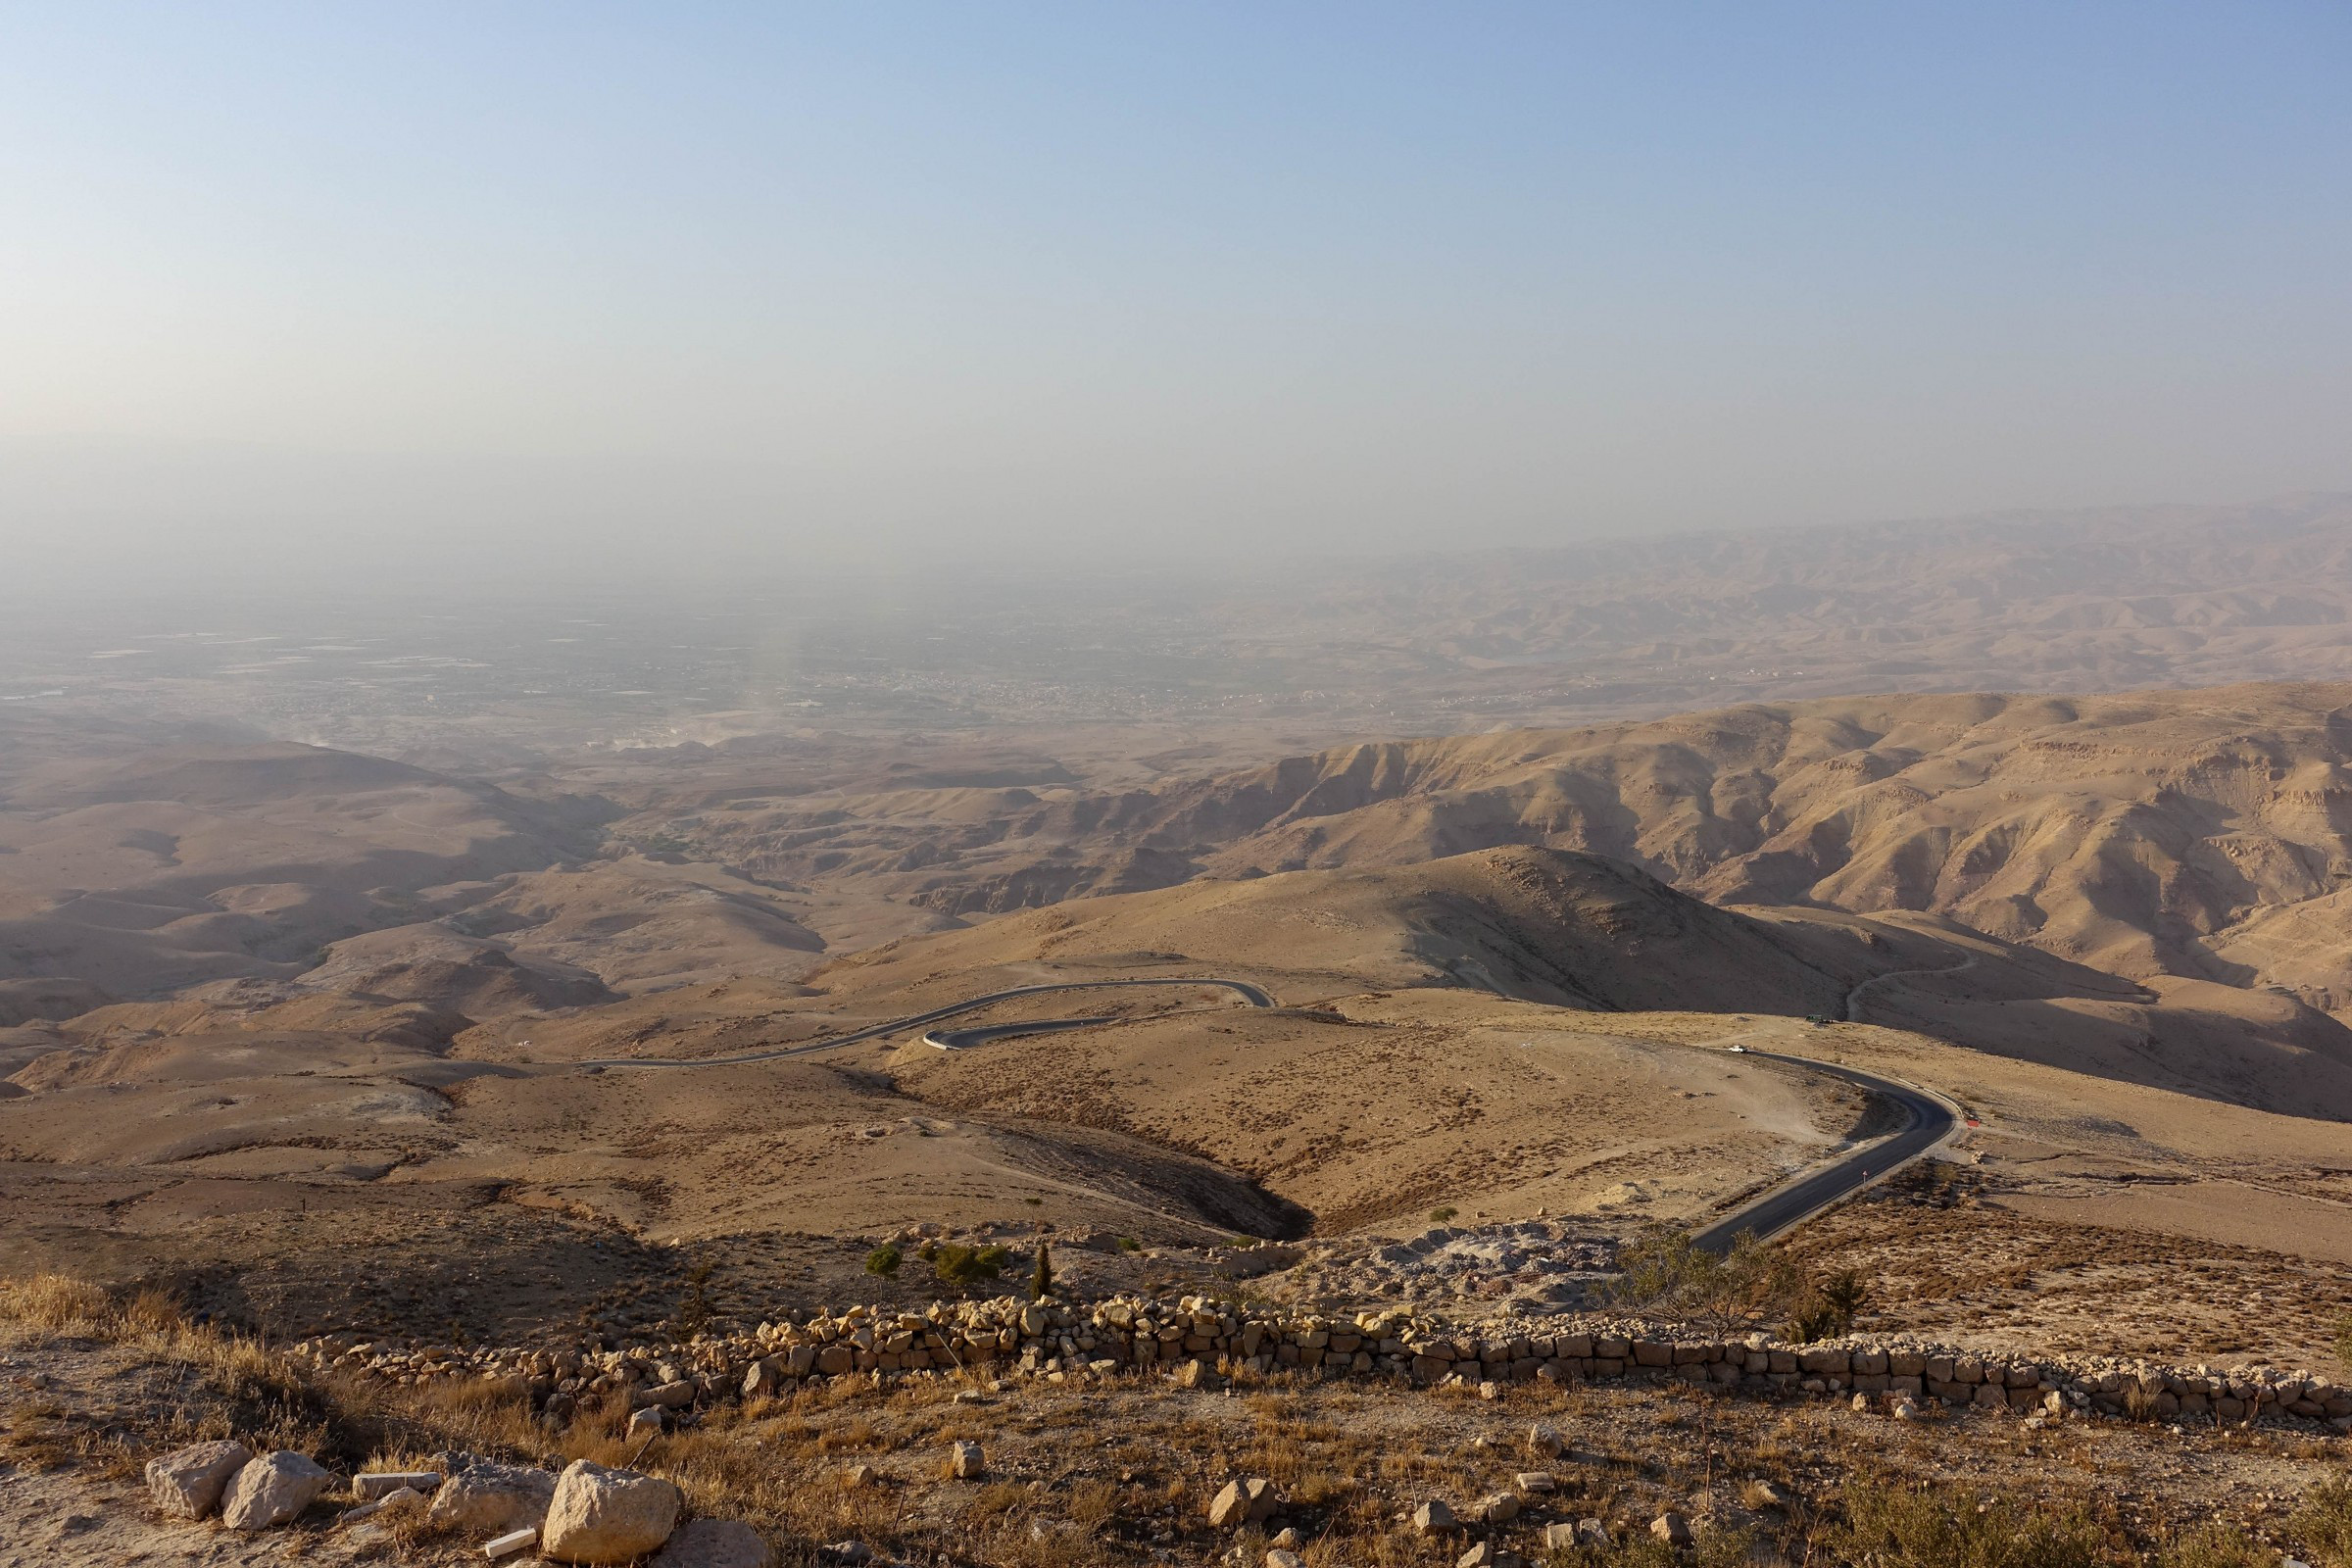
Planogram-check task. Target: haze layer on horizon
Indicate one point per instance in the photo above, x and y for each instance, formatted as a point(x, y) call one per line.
point(408, 291)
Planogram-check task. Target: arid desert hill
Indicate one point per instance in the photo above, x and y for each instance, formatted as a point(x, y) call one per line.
point(2196, 834)
point(2193, 842)
point(138, 864)
point(1576, 930)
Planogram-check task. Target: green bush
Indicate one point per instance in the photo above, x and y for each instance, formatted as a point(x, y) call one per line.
point(883, 1261)
point(1443, 1216)
point(961, 1268)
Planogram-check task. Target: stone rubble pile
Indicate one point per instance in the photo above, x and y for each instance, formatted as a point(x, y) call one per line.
point(1203, 1341)
point(585, 1514)
point(1534, 1266)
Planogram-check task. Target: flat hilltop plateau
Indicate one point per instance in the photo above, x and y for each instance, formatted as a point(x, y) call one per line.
point(627, 1052)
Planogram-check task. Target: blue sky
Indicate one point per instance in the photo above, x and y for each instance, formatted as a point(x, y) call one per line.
point(877, 279)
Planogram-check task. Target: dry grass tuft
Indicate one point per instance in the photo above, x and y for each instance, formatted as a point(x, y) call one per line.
point(56, 1303)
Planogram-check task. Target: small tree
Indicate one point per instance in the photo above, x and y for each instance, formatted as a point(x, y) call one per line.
point(1041, 1281)
point(695, 1307)
point(1664, 1270)
point(883, 1261)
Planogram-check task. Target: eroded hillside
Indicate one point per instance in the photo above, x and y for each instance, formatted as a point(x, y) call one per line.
point(2193, 834)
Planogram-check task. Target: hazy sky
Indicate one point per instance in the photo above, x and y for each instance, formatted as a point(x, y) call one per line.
point(627, 286)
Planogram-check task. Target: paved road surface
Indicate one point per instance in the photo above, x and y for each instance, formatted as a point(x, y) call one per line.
point(1255, 996)
point(1932, 1121)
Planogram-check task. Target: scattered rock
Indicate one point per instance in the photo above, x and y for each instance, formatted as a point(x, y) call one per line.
point(1559, 1536)
point(492, 1500)
point(1287, 1537)
point(187, 1484)
point(966, 1462)
point(1861, 1403)
point(857, 1475)
point(716, 1543)
point(607, 1516)
point(1198, 1374)
point(1535, 1483)
point(508, 1545)
point(1284, 1557)
point(1481, 1555)
point(386, 1482)
point(1489, 1389)
point(271, 1490)
point(1433, 1518)
point(1496, 1508)
point(1595, 1534)
point(653, 1418)
point(1671, 1527)
point(1242, 1502)
point(1542, 1440)
point(676, 1395)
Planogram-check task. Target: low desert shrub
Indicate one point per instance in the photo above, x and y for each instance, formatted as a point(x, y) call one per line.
point(1831, 1304)
point(1943, 1529)
point(2214, 1545)
point(2324, 1524)
point(883, 1261)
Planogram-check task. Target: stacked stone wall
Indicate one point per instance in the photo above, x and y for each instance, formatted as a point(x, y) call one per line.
point(1205, 1340)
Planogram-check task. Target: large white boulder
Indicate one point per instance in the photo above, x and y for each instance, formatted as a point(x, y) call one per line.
point(187, 1484)
point(492, 1500)
point(607, 1516)
point(272, 1489)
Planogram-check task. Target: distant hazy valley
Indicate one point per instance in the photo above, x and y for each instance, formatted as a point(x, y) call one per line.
point(294, 923)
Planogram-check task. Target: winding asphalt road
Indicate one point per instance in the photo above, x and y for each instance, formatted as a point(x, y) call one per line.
point(1255, 996)
point(1933, 1119)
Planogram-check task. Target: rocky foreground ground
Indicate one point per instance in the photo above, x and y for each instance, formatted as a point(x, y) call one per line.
point(1049, 1453)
